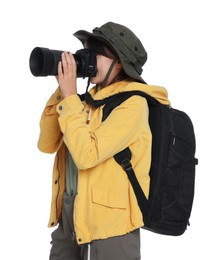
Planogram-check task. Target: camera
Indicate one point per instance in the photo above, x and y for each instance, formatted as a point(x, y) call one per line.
point(44, 62)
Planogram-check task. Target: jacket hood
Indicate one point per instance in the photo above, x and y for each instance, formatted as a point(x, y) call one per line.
point(157, 92)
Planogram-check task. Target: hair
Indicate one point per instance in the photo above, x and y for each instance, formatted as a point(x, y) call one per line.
point(101, 48)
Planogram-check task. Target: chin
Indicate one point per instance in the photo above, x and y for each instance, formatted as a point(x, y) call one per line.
point(94, 80)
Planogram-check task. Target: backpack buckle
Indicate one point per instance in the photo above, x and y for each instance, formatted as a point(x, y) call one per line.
point(126, 165)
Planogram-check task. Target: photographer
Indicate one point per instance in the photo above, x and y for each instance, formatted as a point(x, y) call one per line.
point(93, 201)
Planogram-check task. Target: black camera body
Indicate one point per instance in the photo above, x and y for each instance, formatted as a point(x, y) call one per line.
point(44, 62)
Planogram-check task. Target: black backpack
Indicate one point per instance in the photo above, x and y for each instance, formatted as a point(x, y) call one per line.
point(168, 208)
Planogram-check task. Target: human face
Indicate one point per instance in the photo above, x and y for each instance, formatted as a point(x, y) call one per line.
point(103, 65)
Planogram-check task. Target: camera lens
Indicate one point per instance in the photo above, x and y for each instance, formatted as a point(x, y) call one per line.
point(44, 62)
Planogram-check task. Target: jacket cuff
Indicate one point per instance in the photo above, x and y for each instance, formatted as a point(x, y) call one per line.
point(70, 103)
point(55, 98)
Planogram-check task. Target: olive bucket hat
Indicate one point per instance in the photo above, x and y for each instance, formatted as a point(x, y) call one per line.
point(124, 42)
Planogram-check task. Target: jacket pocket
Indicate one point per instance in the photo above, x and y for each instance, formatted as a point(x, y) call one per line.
point(108, 199)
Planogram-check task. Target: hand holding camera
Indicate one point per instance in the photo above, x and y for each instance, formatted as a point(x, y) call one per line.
point(67, 74)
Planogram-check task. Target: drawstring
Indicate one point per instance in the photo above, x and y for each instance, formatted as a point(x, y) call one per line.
point(108, 73)
point(88, 256)
point(89, 116)
point(88, 83)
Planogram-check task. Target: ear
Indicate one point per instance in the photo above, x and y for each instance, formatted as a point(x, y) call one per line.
point(118, 65)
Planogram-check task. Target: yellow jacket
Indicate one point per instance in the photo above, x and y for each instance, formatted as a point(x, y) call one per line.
point(105, 204)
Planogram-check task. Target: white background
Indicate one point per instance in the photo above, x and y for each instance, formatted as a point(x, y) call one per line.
point(182, 41)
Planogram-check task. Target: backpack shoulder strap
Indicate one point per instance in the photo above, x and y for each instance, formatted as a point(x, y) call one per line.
point(117, 99)
point(113, 101)
point(123, 158)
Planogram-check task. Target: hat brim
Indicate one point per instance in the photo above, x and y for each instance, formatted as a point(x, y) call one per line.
point(83, 35)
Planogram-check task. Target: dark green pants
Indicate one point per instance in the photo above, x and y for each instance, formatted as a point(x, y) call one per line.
point(65, 247)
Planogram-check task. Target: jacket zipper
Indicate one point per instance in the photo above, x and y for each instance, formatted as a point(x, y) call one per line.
point(58, 183)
